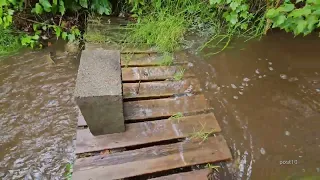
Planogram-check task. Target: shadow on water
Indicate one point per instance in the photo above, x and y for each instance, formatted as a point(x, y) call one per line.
point(269, 111)
point(38, 115)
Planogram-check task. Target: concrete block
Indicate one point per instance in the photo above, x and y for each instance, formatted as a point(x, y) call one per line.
point(98, 91)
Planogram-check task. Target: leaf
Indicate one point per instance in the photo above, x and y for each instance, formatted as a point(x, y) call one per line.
point(234, 5)
point(62, 9)
point(279, 20)
point(13, 2)
point(36, 37)
point(55, 2)
point(44, 27)
point(35, 26)
point(57, 30)
point(1, 20)
point(301, 25)
point(46, 5)
point(10, 11)
point(83, 3)
point(64, 35)
point(3, 3)
point(1, 12)
point(311, 20)
point(244, 14)
point(244, 26)
point(71, 37)
point(300, 12)
point(271, 13)
point(38, 9)
point(233, 18)
point(286, 8)
point(316, 12)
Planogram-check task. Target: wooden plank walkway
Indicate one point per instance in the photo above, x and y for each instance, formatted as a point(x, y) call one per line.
point(164, 118)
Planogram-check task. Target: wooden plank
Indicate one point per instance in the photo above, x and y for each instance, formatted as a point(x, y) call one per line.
point(160, 88)
point(161, 108)
point(146, 132)
point(157, 108)
point(151, 73)
point(192, 175)
point(139, 60)
point(152, 159)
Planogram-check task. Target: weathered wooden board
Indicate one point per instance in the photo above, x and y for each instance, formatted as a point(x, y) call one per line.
point(157, 108)
point(151, 159)
point(139, 60)
point(152, 73)
point(146, 132)
point(192, 175)
point(160, 88)
point(160, 108)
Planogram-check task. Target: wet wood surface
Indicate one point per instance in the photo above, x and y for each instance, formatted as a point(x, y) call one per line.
point(157, 108)
point(147, 132)
point(160, 88)
point(151, 159)
point(154, 141)
point(153, 73)
point(161, 108)
point(140, 60)
point(192, 175)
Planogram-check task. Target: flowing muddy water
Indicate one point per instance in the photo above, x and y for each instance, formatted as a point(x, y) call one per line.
point(269, 113)
point(38, 115)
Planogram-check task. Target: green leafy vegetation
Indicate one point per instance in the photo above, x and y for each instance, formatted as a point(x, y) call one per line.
point(9, 42)
point(47, 18)
point(293, 18)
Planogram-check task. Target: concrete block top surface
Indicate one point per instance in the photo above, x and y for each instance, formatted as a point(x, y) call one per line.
point(99, 73)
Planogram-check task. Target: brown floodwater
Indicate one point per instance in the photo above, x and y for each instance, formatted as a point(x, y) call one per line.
point(260, 90)
point(267, 106)
point(38, 115)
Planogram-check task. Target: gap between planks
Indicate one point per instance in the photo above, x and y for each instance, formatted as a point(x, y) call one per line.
point(146, 132)
point(152, 159)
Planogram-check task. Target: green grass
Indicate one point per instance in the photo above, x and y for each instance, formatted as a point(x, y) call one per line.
point(179, 75)
point(167, 59)
point(212, 167)
point(9, 42)
point(176, 117)
point(164, 31)
point(202, 134)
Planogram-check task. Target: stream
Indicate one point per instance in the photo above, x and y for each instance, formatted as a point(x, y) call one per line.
point(261, 92)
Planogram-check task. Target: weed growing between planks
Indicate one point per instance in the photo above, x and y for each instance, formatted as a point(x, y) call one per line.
point(176, 117)
point(167, 59)
point(179, 75)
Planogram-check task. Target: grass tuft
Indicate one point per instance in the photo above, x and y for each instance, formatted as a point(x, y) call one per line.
point(176, 117)
point(179, 75)
point(164, 31)
point(212, 167)
point(166, 60)
point(202, 134)
point(9, 42)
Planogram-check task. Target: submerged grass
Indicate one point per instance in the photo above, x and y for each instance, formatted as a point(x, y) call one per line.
point(176, 117)
point(9, 42)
